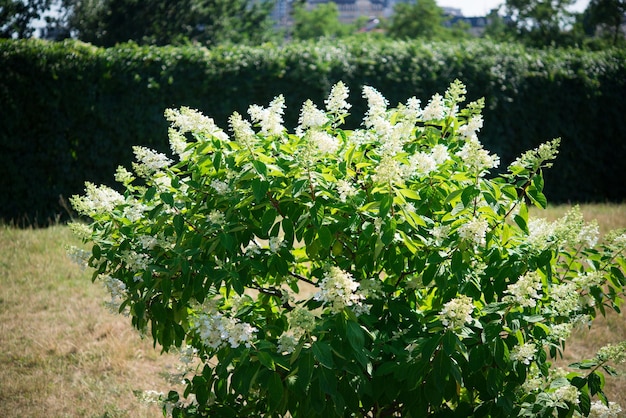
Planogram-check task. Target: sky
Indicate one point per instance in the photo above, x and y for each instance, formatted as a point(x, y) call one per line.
point(482, 7)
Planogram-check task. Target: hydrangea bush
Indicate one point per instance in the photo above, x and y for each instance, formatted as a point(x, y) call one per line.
point(367, 273)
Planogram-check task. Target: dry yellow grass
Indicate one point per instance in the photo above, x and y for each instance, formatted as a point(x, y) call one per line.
point(64, 355)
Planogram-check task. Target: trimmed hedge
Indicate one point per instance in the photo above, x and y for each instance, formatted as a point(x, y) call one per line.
point(71, 111)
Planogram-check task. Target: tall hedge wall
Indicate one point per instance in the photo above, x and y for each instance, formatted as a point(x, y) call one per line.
point(70, 112)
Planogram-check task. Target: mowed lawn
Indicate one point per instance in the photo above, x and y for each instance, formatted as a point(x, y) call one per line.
point(63, 354)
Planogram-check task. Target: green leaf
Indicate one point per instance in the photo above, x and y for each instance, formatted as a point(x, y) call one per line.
point(268, 221)
point(167, 198)
point(179, 224)
point(355, 335)
point(260, 167)
point(259, 189)
point(385, 205)
point(323, 354)
point(275, 390)
point(595, 380)
point(266, 360)
point(325, 237)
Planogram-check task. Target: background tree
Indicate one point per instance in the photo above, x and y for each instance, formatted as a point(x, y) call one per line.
point(161, 22)
point(423, 19)
point(605, 17)
point(17, 16)
point(540, 22)
point(322, 20)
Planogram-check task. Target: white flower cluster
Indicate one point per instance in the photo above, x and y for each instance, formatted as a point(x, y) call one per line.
point(190, 120)
point(566, 393)
point(215, 329)
point(376, 116)
point(565, 298)
point(475, 231)
point(123, 176)
point(523, 353)
point(600, 410)
point(117, 290)
point(134, 210)
point(345, 190)
point(178, 144)
point(97, 200)
point(613, 352)
point(216, 217)
point(471, 127)
point(525, 291)
point(439, 233)
point(149, 161)
point(323, 142)
point(338, 289)
point(301, 321)
point(535, 158)
point(270, 118)
point(389, 171)
point(336, 102)
point(244, 134)
point(560, 332)
point(221, 187)
point(457, 312)
point(78, 256)
point(311, 116)
point(476, 158)
point(435, 109)
point(135, 261)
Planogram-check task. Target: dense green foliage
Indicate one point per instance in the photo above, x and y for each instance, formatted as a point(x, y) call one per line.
point(375, 272)
point(71, 111)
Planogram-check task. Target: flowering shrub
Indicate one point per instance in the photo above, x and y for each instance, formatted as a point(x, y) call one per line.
point(375, 272)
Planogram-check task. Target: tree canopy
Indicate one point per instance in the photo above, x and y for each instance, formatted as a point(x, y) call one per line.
point(17, 16)
point(161, 22)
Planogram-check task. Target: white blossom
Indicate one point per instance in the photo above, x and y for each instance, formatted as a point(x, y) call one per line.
point(421, 164)
point(215, 329)
point(567, 393)
point(475, 231)
point(123, 176)
point(324, 142)
point(97, 200)
point(440, 154)
point(523, 353)
point(377, 106)
point(116, 289)
point(244, 134)
point(287, 343)
point(149, 161)
point(476, 158)
point(471, 127)
point(216, 217)
point(435, 110)
point(338, 290)
point(178, 144)
point(336, 102)
point(311, 116)
point(190, 120)
point(345, 190)
point(565, 298)
point(388, 171)
point(526, 291)
point(271, 118)
point(600, 410)
point(457, 312)
point(221, 187)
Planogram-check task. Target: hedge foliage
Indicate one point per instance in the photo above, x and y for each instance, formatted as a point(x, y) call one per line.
point(71, 111)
